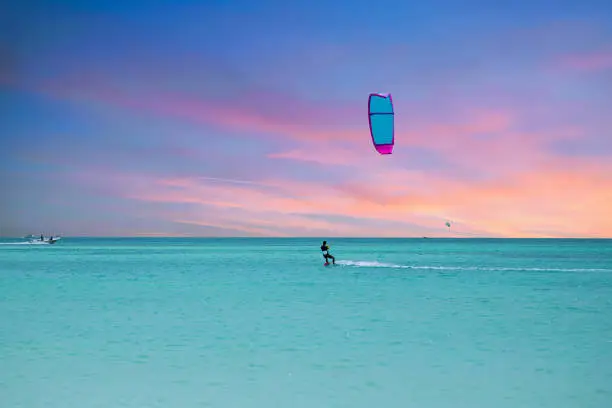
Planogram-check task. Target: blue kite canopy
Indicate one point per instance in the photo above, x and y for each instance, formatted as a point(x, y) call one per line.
point(381, 118)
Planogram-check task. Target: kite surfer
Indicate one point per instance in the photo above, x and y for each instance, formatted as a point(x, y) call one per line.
point(326, 254)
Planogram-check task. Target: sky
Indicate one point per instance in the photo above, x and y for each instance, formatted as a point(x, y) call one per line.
point(236, 118)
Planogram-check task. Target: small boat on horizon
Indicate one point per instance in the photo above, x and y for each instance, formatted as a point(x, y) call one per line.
point(42, 240)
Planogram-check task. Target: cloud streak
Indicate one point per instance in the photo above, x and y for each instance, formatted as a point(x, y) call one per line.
point(417, 203)
point(588, 62)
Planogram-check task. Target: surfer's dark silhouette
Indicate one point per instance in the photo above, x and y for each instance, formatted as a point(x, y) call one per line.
point(326, 254)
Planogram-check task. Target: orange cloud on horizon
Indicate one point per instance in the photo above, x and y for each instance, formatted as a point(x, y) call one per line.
point(569, 202)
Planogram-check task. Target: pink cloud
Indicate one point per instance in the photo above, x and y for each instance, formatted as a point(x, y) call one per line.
point(566, 197)
point(436, 132)
point(249, 111)
point(248, 208)
point(326, 154)
point(541, 200)
point(587, 62)
point(483, 140)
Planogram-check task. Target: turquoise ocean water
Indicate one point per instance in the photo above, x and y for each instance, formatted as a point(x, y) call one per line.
point(235, 323)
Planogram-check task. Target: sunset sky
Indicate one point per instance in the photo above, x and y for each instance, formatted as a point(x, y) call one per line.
point(236, 118)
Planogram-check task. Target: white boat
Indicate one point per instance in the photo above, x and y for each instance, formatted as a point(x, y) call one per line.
point(42, 240)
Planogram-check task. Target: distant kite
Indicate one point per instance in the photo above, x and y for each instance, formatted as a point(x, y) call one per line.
point(381, 118)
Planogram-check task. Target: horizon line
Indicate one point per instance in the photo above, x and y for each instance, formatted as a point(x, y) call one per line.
point(293, 237)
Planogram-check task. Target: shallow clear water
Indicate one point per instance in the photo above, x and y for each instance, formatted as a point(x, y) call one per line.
point(262, 323)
